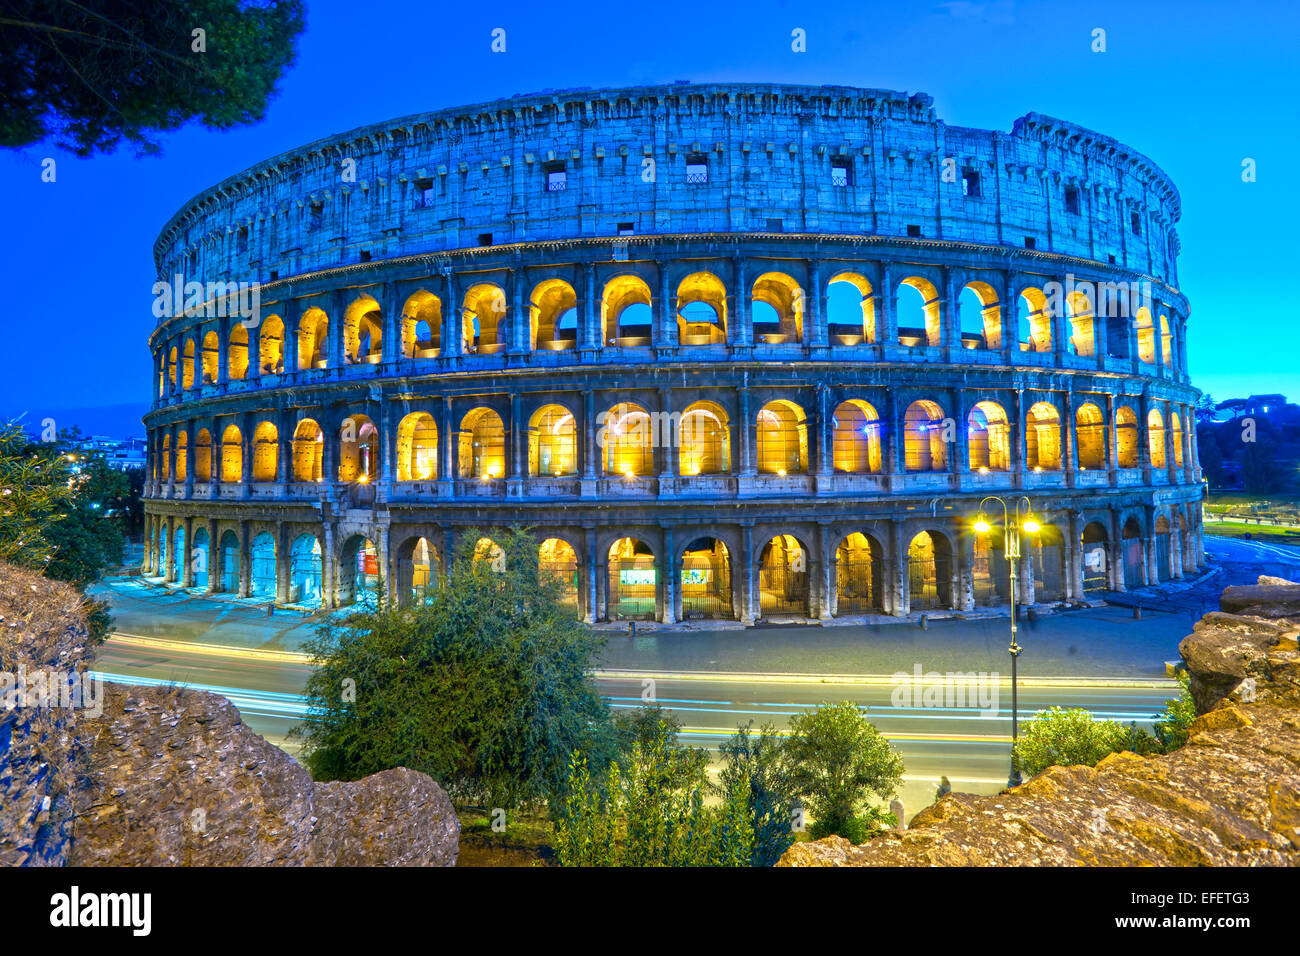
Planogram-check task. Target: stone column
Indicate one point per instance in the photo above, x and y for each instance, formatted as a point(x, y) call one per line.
point(215, 569)
point(590, 611)
point(1019, 450)
point(329, 568)
point(666, 313)
point(898, 601)
point(665, 438)
point(825, 584)
point(744, 335)
point(446, 448)
point(1070, 458)
point(292, 316)
point(282, 595)
point(1111, 436)
point(588, 313)
point(187, 567)
point(745, 426)
point(668, 589)
point(449, 343)
point(815, 313)
point(823, 424)
point(746, 575)
point(1149, 550)
point(521, 318)
point(886, 318)
point(245, 561)
point(1073, 555)
point(965, 560)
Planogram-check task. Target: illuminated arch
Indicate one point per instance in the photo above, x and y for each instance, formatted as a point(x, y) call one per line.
point(706, 580)
point(483, 308)
point(482, 445)
point(1043, 437)
point(988, 438)
point(203, 456)
point(270, 346)
point(628, 442)
point(187, 365)
point(363, 331)
point(417, 447)
point(924, 447)
point(633, 580)
point(266, 452)
point(850, 310)
point(704, 440)
point(980, 315)
point(1082, 314)
point(422, 326)
point(1156, 438)
point(165, 459)
point(1090, 437)
point(858, 575)
point(308, 445)
point(855, 448)
point(782, 439)
point(211, 357)
point(552, 442)
point(358, 450)
point(780, 318)
point(553, 316)
point(557, 560)
point(918, 305)
point(1175, 423)
point(232, 455)
point(929, 572)
point(1146, 336)
point(237, 353)
point(783, 579)
point(625, 315)
point(1126, 437)
point(1034, 321)
point(182, 442)
point(1166, 342)
point(313, 339)
point(701, 310)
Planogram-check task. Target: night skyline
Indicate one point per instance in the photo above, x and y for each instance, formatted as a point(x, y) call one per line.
point(1158, 63)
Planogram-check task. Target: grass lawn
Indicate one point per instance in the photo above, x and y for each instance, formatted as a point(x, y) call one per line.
point(526, 840)
point(1238, 529)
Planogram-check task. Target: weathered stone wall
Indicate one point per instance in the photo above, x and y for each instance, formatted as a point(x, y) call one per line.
point(1229, 797)
point(173, 777)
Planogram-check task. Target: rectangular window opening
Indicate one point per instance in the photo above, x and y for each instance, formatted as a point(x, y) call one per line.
point(697, 169)
point(841, 171)
point(914, 232)
point(1072, 200)
point(970, 183)
point(556, 177)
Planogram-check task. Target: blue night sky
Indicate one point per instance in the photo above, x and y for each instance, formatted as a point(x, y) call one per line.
point(1195, 86)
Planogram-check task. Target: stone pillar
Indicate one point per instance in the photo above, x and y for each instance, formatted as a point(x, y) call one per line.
point(1070, 458)
point(590, 611)
point(886, 317)
point(245, 561)
point(825, 583)
point(187, 559)
point(516, 467)
point(384, 557)
point(666, 312)
point(334, 335)
point(1149, 550)
point(1110, 434)
point(744, 335)
point(590, 453)
point(960, 464)
point(589, 308)
point(1171, 463)
point(823, 424)
point(668, 586)
point(1019, 450)
point(292, 316)
point(745, 425)
point(748, 589)
point(898, 600)
point(390, 342)
point(449, 342)
point(1073, 555)
point(815, 314)
point(965, 560)
point(329, 568)
point(521, 318)
point(215, 569)
point(665, 438)
point(1116, 543)
point(446, 448)
point(282, 595)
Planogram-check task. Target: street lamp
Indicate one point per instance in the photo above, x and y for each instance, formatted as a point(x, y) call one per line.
point(1011, 549)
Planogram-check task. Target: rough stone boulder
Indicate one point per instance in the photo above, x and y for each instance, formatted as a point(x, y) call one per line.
point(1230, 796)
point(178, 778)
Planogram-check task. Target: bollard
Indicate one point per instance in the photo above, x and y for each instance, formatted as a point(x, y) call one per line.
point(925, 622)
point(1137, 612)
point(631, 628)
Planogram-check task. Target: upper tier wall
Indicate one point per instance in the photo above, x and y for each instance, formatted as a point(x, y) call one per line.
point(449, 179)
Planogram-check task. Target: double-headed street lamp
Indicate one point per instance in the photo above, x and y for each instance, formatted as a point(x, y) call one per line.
point(1011, 550)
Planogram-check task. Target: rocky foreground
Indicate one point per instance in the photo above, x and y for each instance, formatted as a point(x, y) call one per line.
point(174, 777)
point(1229, 797)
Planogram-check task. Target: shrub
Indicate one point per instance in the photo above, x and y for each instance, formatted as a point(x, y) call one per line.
point(1065, 738)
point(756, 767)
point(1172, 723)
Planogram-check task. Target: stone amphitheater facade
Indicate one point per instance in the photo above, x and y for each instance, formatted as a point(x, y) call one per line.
point(730, 351)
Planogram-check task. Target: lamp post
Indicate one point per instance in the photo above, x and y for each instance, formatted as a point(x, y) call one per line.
point(1011, 550)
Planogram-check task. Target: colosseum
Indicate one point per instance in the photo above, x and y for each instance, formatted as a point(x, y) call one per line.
point(729, 351)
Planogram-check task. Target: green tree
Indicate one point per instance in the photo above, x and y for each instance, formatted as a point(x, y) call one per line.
point(93, 74)
point(1066, 738)
point(648, 727)
point(486, 687)
point(1173, 722)
point(647, 815)
point(838, 761)
point(756, 767)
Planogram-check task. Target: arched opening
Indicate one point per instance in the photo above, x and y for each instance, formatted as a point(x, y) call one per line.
point(988, 438)
point(1156, 438)
point(1163, 550)
point(782, 439)
point(777, 309)
point(552, 442)
point(358, 450)
point(1175, 422)
point(232, 456)
point(990, 573)
point(701, 310)
point(484, 308)
point(1046, 553)
point(482, 445)
point(706, 580)
point(1146, 336)
point(625, 315)
point(165, 472)
point(1043, 437)
point(918, 313)
point(178, 549)
point(266, 452)
point(857, 575)
point(187, 365)
point(237, 353)
point(200, 558)
point(1126, 437)
point(625, 430)
point(363, 330)
point(1094, 557)
point(1090, 437)
point(261, 555)
point(203, 456)
point(313, 339)
point(980, 317)
point(1082, 316)
point(171, 367)
point(632, 580)
point(308, 444)
point(553, 316)
point(418, 569)
point(705, 440)
point(305, 578)
point(230, 562)
point(417, 447)
point(924, 444)
point(1134, 555)
point(1166, 342)
point(487, 550)
point(1034, 321)
point(422, 326)
point(211, 357)
point(358, 582)
point(929, 572)
point(850, 310)
point(557, 559)
point(182, 463)
point(270, 346)
point(855, 445)
point(783, 586)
